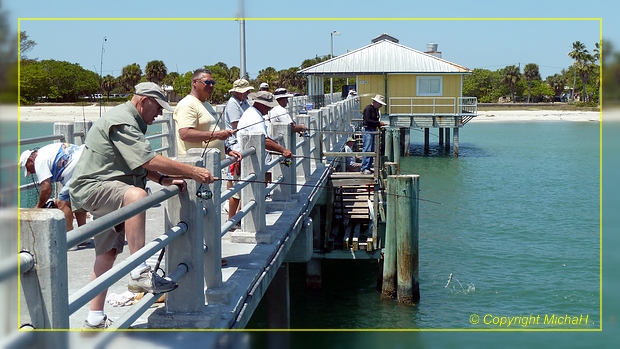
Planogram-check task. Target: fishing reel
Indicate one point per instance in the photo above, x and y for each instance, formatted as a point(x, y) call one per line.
point(204, 193)
point(306, 134)
point(286, 162)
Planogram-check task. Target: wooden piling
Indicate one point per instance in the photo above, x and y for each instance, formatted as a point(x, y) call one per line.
point(406, 209)
point(388, 144)
point(426, 140)
point(400, 264)
point(396, 146)
point(388, 289)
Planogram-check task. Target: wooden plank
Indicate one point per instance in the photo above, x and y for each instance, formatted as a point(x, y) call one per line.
point(370, 244)
point(356, 237)
point(345, 240)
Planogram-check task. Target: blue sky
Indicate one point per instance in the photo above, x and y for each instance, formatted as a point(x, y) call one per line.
point(279, 42)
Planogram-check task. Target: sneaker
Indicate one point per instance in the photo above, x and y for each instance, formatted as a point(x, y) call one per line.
point(150, 282)
point(367, 172)
point(102, 325)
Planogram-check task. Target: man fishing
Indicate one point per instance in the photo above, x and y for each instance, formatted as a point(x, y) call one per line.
point(111, 174)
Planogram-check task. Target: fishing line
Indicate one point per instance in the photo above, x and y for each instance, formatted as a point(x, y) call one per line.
point(325, 187)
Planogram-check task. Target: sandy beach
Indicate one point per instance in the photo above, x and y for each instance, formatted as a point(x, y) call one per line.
point(92, 112)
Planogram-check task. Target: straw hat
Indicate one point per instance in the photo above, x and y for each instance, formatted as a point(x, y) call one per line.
point(241, 86)
point(264, 98)
point(379, 99)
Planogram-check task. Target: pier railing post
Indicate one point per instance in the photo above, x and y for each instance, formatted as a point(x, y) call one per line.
point(82, 127)
point(326, 126)
point(65, 129)
point(187, 248)
point(254, 221)
point(284, 192)
point(45, 295)
point(212, 221)
point(171, 140)
point(317, 136)
point(304, 169)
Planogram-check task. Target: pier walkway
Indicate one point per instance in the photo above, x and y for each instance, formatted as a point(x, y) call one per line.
point(196, 234)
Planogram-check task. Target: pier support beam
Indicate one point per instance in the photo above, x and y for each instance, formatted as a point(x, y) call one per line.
point(278, 300)
point(447, 131)
point(441, 136)
point(405, 135)
point(426, 140)
point(456, 142)
point(313, 274)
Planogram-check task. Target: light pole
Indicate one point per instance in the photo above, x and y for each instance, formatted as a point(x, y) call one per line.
point(331, 55)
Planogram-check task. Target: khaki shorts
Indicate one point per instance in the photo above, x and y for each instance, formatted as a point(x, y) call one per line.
point(106, 198)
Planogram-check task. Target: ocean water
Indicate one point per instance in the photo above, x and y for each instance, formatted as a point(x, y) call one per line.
point(514, 219)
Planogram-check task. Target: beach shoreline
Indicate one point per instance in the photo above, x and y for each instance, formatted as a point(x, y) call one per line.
point(39, 113)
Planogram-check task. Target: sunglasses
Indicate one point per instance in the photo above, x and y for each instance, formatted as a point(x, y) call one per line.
point(208, 82)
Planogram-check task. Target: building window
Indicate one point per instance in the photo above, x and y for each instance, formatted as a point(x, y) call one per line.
point(428, 86)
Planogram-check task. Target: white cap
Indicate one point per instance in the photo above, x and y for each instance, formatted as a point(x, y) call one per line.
point(22, 160)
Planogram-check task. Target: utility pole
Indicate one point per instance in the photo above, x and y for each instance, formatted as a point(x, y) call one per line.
point(242, 67)
point(331, 55)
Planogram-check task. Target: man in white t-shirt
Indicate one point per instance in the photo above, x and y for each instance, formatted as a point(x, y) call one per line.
point(195, 118)
point(54, 163)
point(279, 113)
point(253, 120)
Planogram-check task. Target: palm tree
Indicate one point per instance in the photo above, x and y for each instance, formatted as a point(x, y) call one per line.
point(531, 73)
point(156, 71)
point(510, 76)
point(268, 75)
point(583, 65)
point(108, 84)
point(130, 76)
point(557, 83)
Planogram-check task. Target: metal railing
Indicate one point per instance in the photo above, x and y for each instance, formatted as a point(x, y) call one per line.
point(52, 308)
point(435, 106)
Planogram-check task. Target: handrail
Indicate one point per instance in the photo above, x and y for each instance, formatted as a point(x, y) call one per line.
point(107, 279)
point(332, 117)
point(93, 228)
point(41, 139)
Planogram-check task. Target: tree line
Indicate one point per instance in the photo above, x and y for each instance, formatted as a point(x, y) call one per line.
point(579, 82)
point(60, 81)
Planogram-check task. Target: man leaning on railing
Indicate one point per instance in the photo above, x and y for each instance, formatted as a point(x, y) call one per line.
point(111, 173)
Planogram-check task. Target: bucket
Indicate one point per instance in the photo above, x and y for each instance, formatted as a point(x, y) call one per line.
point(309, 106)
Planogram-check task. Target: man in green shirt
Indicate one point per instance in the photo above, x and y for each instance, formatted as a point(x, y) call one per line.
point(112, 172)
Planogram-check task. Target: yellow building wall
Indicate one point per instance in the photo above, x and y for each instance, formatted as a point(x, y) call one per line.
point(369, 86)
point(404, 85)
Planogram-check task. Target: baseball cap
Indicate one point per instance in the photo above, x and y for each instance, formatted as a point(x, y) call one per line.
point(151, 89)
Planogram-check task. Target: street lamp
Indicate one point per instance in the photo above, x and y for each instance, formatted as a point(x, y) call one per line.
point(331, 55)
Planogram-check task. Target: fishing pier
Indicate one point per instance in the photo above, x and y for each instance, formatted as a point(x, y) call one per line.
point(315, 211)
